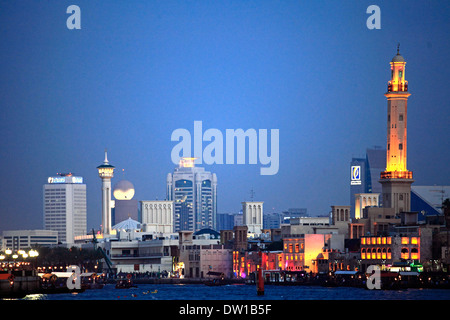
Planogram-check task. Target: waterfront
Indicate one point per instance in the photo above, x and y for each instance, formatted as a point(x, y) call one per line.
point(243, 292)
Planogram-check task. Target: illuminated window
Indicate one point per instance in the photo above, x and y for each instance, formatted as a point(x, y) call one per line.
point(378, 240)
point(414, 240)
point(383, 253)
point(384, 240)
point(374, 240)
point(389, 253)
point(389, 240)
point(414, 254)
point(363, 253)
point(405, 253)
point(363, 240)
point(405, 240)
point(378, 253)
point(290, 247)
point(297, 247)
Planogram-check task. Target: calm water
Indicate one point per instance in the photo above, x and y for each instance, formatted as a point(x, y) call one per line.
point(245, 292)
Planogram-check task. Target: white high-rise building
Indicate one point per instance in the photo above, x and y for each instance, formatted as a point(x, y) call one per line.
point(65, 206)
point(194, 193)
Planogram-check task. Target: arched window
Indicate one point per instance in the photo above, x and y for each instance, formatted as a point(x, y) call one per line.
point(383, 253)
point(414, 254)
point(363, 253)
point(405, 253)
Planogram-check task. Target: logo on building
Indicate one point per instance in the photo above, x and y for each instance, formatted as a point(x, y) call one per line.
point(356, 175)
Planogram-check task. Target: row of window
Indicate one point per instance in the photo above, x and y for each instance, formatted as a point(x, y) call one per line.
point(291, 247)
point(388, 240)
point(383, 253)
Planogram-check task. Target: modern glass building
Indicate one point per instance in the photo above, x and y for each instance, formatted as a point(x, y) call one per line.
point(194, 192)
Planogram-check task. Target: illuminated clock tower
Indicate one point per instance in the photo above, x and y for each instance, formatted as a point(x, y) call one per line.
point(106, 172)
point(396, 180)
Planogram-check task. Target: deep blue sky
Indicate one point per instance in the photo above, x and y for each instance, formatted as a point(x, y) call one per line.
point(137, 70)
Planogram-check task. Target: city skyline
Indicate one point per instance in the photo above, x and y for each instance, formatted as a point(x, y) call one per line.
point(134, 73)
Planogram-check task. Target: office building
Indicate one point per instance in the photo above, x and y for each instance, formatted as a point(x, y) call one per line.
point(365, 175)
point(65, 206)
point(224, 221)
point(194, 192)
point(25, 239)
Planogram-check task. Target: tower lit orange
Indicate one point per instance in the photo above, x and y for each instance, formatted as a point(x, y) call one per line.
point(396, 180)
point(397, 96)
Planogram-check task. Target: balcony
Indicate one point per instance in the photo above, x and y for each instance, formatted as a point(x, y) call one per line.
point(401, 87)
point(396, 175)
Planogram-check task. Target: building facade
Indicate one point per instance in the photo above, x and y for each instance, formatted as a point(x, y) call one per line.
point(157, 216)
point(194, 193)
point(387, 250)
point(64, 206)
point(253, 216)
point(24, 239)
point(365, 174)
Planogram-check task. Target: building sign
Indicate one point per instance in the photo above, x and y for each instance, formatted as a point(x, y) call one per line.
point(65, 179)
point(355, 175)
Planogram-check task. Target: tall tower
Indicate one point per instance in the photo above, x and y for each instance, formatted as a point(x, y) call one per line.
point(106, 172)
point(396, 180)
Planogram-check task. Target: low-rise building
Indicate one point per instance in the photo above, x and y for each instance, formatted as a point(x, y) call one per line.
point(380, 250)
point(201, 253)
point(23, 239)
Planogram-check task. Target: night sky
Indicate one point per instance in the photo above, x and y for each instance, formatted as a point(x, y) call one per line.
point(138, 70)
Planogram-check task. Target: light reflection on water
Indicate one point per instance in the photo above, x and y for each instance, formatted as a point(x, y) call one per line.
point(244, 292)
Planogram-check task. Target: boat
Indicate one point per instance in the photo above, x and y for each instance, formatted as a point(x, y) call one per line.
point(219, 281)
point(215, 282)
point(125, 284)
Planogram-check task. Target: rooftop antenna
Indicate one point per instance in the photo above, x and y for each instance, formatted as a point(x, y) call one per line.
point(398, 48)
point(252, 194)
